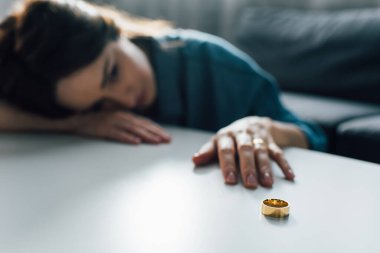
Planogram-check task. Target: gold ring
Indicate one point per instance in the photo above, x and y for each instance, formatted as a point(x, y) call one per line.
point(275, 208)
point(258, 142)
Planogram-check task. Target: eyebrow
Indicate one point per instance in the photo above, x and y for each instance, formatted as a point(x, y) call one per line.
point(105, 74)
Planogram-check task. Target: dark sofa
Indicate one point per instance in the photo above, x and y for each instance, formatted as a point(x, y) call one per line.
point(328, 65)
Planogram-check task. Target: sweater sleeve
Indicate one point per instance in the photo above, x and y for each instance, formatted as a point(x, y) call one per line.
point(220, 84)
point(268, 104)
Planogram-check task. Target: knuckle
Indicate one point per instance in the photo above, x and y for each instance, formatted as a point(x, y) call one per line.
point(226, 151)
point(246, 147)
point(261, 151)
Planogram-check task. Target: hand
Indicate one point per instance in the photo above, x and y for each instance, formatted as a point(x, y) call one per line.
point(252, 138)
point(120, 126)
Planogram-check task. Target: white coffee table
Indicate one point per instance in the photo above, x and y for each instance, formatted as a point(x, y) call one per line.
point(68, 194)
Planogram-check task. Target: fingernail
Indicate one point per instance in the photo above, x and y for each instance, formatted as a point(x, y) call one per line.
point(165, 137)
point(267, 179)
point(231, 178)
point(166, 140)
point(291, 173)
point(196, 154)
point(251, 180)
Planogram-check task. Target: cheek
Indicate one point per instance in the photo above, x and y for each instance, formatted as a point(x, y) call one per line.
point(136, 67)
point(129, 79)
point(76, 97)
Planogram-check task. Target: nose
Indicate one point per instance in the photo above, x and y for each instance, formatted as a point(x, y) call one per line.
point(126, 100)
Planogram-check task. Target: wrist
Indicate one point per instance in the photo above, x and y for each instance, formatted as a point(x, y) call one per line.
point(289, 135)
point(14, 119)
point(66, 125)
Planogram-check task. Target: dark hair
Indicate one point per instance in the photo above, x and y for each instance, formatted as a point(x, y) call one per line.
point(46, 40)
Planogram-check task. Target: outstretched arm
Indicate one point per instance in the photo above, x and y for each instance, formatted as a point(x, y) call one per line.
point(117, 125)
point(13, 119)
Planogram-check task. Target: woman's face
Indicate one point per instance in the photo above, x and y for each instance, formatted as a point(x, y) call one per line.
point(120, 76)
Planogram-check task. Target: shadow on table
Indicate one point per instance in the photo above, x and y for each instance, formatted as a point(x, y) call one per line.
point(205, 169)
point(277, 221)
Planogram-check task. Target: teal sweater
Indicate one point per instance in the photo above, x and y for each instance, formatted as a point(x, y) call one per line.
point(206, 83)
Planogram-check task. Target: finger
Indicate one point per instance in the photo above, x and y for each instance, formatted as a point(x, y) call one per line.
point(118, 135)
point(226, 155)
point(205, 154)
point(152, 127)
point(246, 159)
point(278, 156)
point(263, 167)
point(145, 135)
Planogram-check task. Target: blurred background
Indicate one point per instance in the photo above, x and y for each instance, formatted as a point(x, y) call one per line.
point(219, 16)
point(213, 16)
point(324, 54)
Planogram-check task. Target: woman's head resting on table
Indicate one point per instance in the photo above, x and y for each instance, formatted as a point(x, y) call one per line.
point(58, 57)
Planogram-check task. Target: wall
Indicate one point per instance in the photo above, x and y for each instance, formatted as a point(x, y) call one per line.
point(214, 16)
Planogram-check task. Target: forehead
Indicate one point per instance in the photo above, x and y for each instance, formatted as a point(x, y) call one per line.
point(89, 73)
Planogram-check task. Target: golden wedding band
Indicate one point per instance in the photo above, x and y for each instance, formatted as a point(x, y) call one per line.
point(275, 208)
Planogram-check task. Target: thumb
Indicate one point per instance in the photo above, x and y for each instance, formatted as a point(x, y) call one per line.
point(205, 154)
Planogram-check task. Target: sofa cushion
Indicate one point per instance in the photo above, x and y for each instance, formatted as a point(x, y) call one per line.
point(360, 138)
point(333, 53)
point(327, 112)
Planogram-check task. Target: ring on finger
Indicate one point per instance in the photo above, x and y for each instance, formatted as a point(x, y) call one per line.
point(258, 143)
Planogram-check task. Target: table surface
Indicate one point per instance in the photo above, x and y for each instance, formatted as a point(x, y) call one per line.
point(69, 194)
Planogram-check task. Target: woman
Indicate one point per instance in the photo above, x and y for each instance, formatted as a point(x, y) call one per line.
point(75, 67)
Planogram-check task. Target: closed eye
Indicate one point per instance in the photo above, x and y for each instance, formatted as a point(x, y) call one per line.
point(113, 75)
